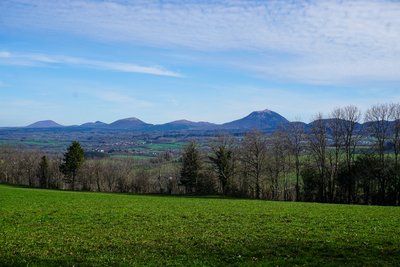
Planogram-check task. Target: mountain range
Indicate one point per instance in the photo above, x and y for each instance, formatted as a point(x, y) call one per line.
point(263, 120)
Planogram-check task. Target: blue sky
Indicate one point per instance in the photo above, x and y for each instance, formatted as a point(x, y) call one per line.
point(83, 60)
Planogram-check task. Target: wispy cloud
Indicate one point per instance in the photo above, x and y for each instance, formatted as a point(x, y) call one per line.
point(119, 98)
point(29, 103)
point(32, 59)
point(316, 41)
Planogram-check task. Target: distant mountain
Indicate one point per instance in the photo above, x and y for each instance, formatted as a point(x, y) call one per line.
point(45, 124)
point(328, 124)
point(97, 124)
point(261, 120)
point(265, 119)
point(185, 125)
point(129, 123)
point(298, 125)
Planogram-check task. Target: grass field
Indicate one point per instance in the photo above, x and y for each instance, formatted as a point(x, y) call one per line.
point(166, 146)
point(44, 227)
point(131, 157)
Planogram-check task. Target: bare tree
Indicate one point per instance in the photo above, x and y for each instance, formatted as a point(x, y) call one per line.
point(97, 173)
point(345, 135)
point(351, 117)
point(277, 163)
point(253, 156)
point(317, 140)
point(140, 181)
point(27, 162)
point(295, 137)
point(336, 126)
point(396, 145)
point(378, 117)
point(110, 175)
point(56, 177)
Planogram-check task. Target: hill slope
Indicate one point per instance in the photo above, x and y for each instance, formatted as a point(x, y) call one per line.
point(97, 124)
point(185, 125)
point(129, 123)
point(45, 124)
point(265, 119)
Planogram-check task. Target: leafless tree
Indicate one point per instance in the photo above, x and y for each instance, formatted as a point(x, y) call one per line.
point(317, 140)
point(97, 174)
point(56, 178)
point(110, 175)
point(277, 163)
point(350, 119)
point(345, 136)
point(378, 117)
point(140, 181)
point(8, 164)
point(351, 116)
point(396, 144)
point(253, 156)
point(295, 137)
point(336, 126)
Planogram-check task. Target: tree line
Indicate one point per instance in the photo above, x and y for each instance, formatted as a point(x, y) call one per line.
point(335, 159)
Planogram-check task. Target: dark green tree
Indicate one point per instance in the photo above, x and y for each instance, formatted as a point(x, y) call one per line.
point(43, 172)
point(73, 160)
point(222, 160)
point(311, 182)
point(191, 165)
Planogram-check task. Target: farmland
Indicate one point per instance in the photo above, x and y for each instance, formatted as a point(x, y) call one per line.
point(118, 143)
point(45, 227)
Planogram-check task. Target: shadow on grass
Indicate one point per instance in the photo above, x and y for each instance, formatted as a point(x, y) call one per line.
point(195, 253)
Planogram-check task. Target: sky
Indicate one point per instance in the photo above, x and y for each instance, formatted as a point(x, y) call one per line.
point(79, 61)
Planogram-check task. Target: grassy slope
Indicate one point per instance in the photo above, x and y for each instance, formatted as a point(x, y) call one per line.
point(44, 227)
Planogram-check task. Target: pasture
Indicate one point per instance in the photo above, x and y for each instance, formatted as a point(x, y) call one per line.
point(46, 227)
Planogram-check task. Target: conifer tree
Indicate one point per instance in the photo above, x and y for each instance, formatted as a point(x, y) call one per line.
point(43, 172)
point(190, 167)
point(73, 160)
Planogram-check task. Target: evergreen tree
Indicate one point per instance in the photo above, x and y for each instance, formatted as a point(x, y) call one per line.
point(224, 166)
point(191, 166)
point(73, 160)
point(43, 172)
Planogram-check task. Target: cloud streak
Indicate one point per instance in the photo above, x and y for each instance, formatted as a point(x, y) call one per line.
point(122, 99)
point(32, 59)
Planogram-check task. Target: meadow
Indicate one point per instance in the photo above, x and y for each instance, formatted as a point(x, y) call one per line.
point(46, 227)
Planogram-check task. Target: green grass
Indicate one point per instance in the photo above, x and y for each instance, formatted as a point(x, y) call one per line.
point(60, 228)
point(140, 157)
point(165, 146)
